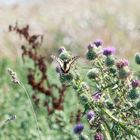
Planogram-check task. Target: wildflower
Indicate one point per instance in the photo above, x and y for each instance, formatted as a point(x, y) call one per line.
point(90, 115)
point(137, 58)
point(90, 46)
point(98, 42)
point(96, 96)
point(135, 83)
point(78, 128)
point(122, 63)
point(108, 51)
point(98, 136)
point(61, 49)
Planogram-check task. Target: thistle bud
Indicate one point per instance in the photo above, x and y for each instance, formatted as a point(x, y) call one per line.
point(93, 73)
point(91, 55)
point(83, 99)
point(133, 94)
point(137, 58)
point(64, 55)
point(110, 105)
point(109, 61)
point(66, 77)
point(124, 72)
point(112, 70)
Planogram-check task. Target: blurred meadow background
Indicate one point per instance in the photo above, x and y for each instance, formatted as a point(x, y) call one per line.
point(72, 24)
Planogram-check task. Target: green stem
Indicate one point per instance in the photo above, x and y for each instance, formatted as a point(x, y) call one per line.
point(122, 124)
point(106, 132)
point(39, 134)
point(110, 131)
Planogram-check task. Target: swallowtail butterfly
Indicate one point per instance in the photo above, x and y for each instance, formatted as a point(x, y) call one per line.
point(65, 65)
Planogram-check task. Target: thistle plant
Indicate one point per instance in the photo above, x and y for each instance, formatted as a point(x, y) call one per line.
point(109, 95)
point(107, 90)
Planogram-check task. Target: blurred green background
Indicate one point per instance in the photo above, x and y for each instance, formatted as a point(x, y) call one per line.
point(72, 24)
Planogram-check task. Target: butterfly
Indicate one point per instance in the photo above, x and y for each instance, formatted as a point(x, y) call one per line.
point(65, 65)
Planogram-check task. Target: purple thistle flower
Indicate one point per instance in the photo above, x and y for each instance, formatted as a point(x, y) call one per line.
point(98, 136)
point(78, 128)
point(96, 96)
point(108, 51)
point(61, 49)
point(90, 115)
point(135, 83)
point(90, 46)
point(98, 42)
point(122, 63)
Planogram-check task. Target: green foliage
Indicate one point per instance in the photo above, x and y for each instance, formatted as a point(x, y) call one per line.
point(14, 102)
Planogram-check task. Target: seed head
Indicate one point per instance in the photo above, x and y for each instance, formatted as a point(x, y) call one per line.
point(13, 76)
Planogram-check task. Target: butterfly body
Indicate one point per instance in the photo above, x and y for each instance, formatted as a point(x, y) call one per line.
point(65, 65)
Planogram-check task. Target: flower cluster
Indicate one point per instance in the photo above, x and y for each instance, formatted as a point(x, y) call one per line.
point(108, 96)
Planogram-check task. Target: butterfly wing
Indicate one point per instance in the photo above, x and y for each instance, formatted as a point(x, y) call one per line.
point(65, 65)
point(70, 63)
point(58, 60)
